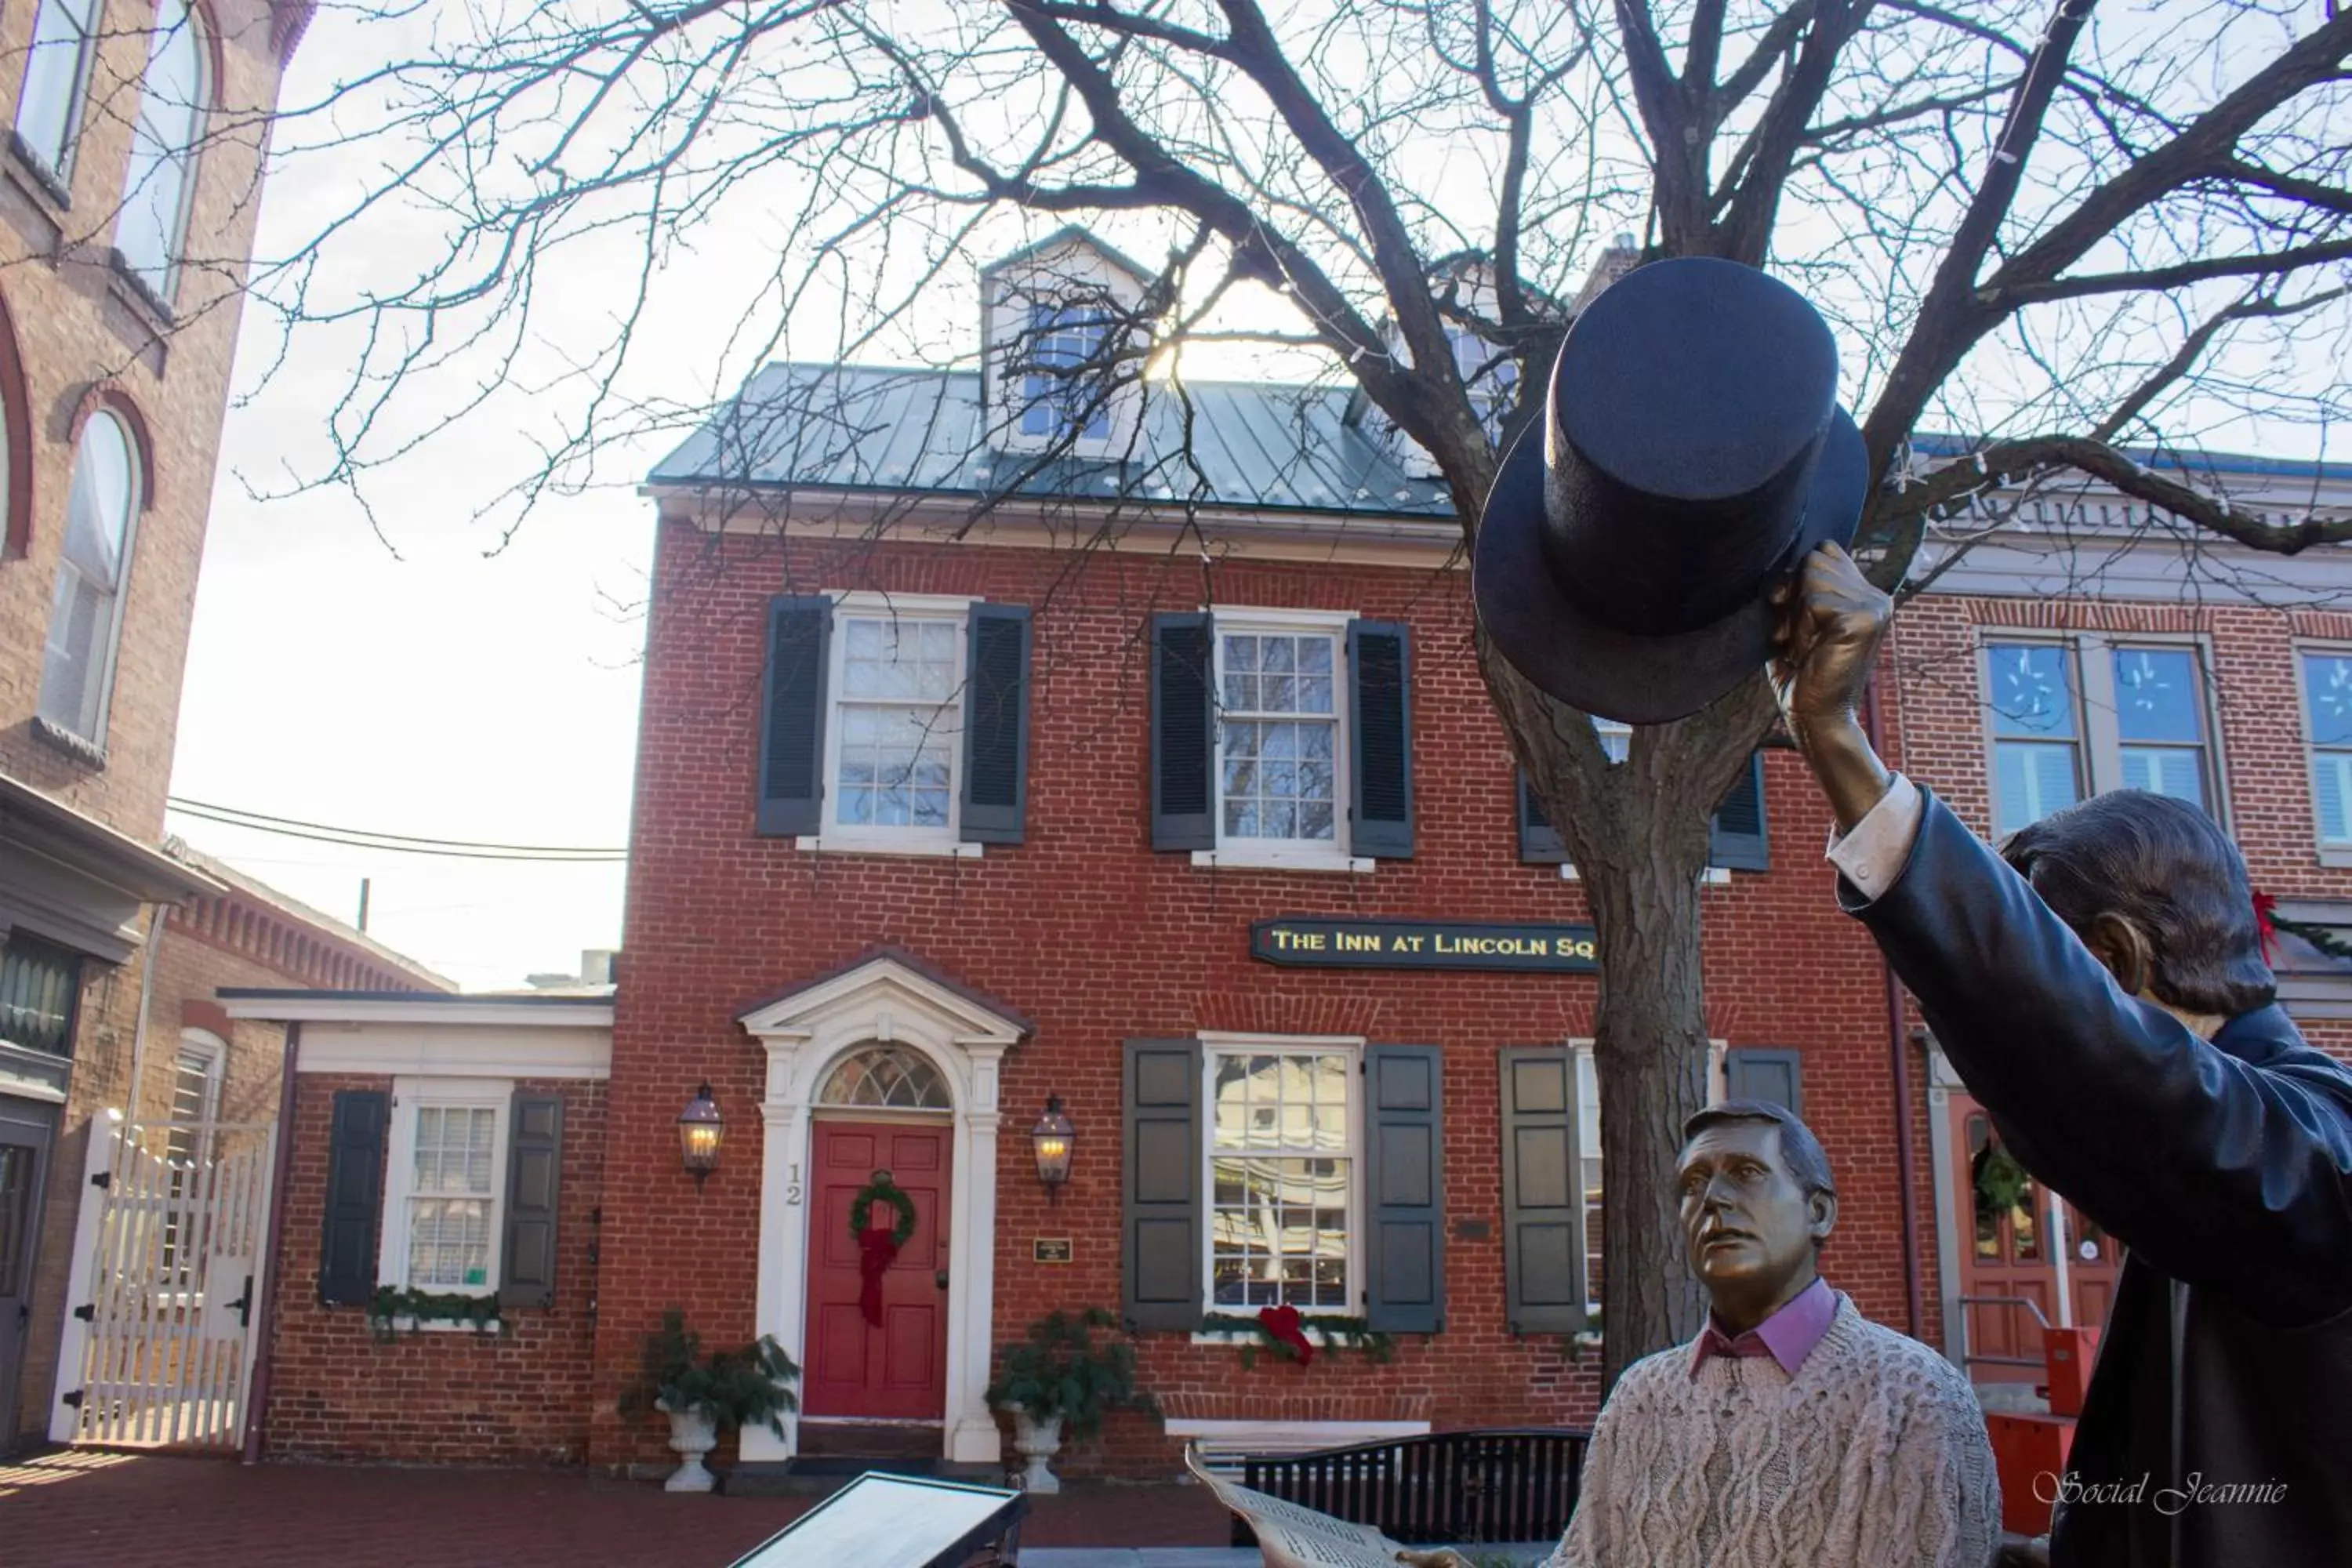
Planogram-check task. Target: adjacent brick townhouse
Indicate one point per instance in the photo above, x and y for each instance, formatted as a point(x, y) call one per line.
point(1183, 828)
point(128, 195)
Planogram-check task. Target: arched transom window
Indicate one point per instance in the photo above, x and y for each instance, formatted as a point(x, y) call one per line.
point(887, 1077)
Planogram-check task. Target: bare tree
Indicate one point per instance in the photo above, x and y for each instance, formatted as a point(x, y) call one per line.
point(2082, 243)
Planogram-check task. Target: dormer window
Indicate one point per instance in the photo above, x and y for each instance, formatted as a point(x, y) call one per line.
point(1066, 388)
point(1064, 347)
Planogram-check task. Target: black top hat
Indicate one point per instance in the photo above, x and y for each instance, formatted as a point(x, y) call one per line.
point(1692, 452)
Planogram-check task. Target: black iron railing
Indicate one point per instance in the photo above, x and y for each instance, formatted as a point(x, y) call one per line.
point(1512, 1484)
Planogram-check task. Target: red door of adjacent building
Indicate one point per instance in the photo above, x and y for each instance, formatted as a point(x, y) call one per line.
point(895, 1371)
point(2009, 1254)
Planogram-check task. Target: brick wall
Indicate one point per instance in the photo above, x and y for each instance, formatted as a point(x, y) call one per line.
point(2265, 770)
point(81, 334)
point(1097, 939)
point(79, 330)
point(521, 1397)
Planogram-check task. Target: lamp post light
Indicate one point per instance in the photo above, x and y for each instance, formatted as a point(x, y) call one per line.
point(1052, 1137)
point(701, 1129)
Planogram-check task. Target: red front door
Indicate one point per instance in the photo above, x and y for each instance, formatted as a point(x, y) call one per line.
point(896, 1371)
point(2009, 1255)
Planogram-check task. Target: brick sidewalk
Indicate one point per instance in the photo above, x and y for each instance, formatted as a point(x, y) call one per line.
point(73, 1509)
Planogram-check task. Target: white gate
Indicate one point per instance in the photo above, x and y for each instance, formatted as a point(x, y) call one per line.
point(173, 1283)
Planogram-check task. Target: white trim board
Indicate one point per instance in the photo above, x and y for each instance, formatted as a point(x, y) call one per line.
point(458, 1051)
point(326, 1007)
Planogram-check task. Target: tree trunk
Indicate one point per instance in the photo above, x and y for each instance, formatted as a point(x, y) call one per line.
point(1638, 833)
point(1650, 1053)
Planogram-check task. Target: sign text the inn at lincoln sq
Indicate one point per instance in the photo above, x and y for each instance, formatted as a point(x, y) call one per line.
point(1314, 941)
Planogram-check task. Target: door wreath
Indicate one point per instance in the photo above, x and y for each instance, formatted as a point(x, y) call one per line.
point(877, 1248)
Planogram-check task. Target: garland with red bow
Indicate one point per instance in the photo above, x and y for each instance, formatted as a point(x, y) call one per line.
point(877, 1248)
point(2270, 922)
point(1283, 1330)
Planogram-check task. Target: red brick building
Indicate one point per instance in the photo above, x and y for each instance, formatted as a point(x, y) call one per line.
point(1191, 819)
point(128, 195)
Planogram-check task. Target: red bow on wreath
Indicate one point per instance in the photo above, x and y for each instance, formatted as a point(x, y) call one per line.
point(2266, 923)
point(1283, 1322)
point(878, 1246)
point(875, 1252)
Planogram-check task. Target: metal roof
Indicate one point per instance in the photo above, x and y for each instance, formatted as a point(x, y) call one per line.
point(1253, 445)
point(1259, 445)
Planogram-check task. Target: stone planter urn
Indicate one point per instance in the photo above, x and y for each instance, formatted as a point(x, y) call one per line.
point(691, 1435)
point(1037, 1441)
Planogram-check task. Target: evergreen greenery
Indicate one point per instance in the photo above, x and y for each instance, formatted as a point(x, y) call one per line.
point(390, 1304)
point(2002, 1182)
point(752, 1386)
point(1059, 1370)
point(1335, 1330)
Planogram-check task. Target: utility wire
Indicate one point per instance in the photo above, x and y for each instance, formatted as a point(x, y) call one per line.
point(392, 843)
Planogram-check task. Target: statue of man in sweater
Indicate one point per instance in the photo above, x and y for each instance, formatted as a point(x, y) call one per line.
point(1792, 1432)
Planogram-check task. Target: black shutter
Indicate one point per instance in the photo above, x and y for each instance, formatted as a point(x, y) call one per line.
point(1161, 1234)
point(1737, 840)
point(1544, 1284)
point(1540, 844)
point(355, 1196)
point(1404, 1255)
point(1380, 720)
point(1183, 720)
point(1775, 1076)
point(996, 725)
point(792, 729)
point(534, 1162)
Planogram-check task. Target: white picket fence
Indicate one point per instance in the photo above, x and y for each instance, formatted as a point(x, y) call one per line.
point(170, 1290)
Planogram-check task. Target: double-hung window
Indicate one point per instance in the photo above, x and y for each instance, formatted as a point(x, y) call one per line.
point(56, 72)
point(446, 1181)
point(1280, 736)
point(895, 724)
point(898, 717)
point(173, 98)
point(2075, 716)
point(86, 617)
point(2326, 679)
point(1065, 387)
point(1283, 1160)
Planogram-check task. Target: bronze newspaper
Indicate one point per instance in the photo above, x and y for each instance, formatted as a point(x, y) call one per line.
point(1295, 1536)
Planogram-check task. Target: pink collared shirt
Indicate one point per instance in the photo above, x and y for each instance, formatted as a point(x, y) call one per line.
point(1788, 1336)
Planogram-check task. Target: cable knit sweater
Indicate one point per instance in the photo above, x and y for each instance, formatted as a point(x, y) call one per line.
point(1874, 1456)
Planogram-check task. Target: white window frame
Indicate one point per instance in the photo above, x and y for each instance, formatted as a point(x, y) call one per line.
point(2099, 743)
point(1279, 853)
point(107, 643)
point(1588, 1136)
point(1351, 1046)
point(870, 837)
point(201, 1045)
point(1072, 278)
point(409, 1095)
point(2337, 853)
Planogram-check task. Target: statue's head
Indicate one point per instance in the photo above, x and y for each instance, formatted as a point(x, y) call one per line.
point(1757, 1201)
point(2157, 892)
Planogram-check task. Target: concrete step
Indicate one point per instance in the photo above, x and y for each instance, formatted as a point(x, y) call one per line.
point(821, 1474)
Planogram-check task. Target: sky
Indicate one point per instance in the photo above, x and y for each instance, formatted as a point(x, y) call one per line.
point(412, 667)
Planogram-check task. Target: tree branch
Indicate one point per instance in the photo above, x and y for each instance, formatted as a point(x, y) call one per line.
point(2013, 462)
point(1951, 317)
point(2154, 278)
